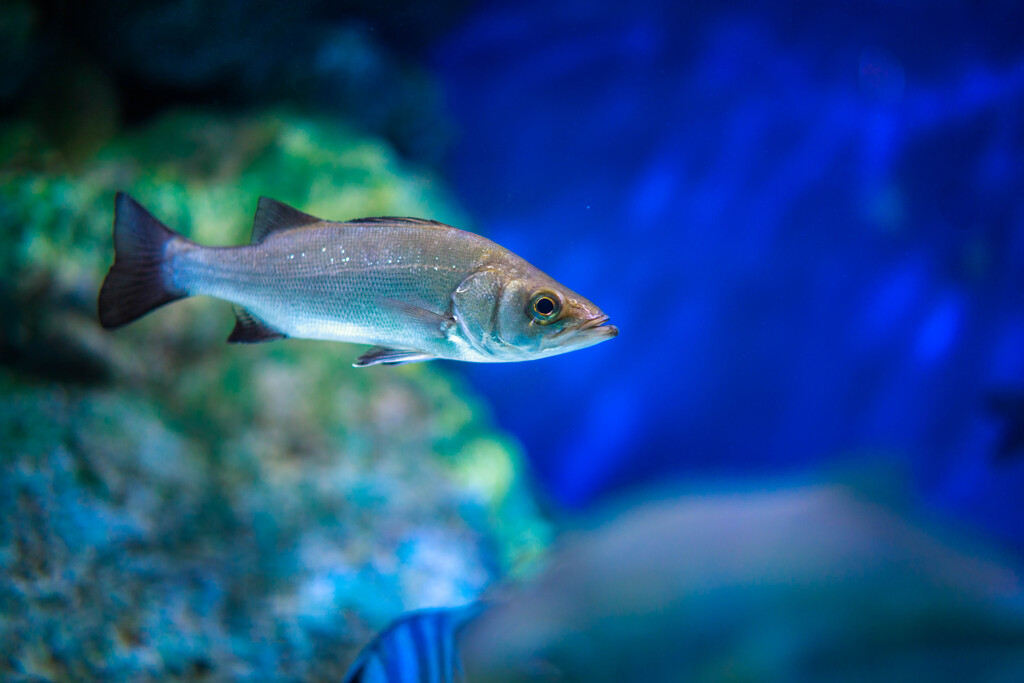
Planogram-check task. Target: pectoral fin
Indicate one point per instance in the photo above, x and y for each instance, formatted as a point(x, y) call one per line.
point(382, 355)
point(430, 323)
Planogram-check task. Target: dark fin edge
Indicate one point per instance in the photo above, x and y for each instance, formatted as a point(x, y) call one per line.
point(251, 330)
point(136, 283)
point(273, 216)
point(407, 221)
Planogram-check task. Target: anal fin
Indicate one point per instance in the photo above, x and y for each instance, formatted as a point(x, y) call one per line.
point(251, 330)
point(383, 355)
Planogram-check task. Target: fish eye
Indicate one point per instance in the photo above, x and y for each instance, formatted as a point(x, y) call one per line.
point(545, 307)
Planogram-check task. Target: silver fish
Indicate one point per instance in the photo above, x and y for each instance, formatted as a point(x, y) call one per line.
point(415, 289)
point(418, 647)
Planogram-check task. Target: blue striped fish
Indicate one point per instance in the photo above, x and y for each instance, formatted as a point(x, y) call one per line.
point(418, 647)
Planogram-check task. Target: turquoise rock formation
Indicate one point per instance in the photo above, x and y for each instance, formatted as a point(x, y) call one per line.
point(174, 508)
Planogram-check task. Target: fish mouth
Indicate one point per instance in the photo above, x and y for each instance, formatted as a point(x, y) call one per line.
point(598, 325)
point(588, 332)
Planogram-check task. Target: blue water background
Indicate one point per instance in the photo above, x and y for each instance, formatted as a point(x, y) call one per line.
point(806, 218)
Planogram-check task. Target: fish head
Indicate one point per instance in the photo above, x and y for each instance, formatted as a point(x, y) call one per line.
point(539, 317)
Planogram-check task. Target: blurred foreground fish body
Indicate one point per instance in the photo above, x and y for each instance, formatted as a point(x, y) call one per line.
point(805, 584)
point(417, 647)
point(415, 289)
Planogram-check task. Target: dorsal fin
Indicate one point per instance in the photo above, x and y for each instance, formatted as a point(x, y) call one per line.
point(272, 215)
point(400, 221)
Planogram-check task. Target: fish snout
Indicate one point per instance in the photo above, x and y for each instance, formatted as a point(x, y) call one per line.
point(597, 326)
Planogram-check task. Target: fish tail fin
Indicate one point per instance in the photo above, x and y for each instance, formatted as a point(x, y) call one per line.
point(138, 281)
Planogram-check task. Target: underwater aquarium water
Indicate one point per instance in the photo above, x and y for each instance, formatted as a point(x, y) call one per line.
point(806, 218)
point(801, 457)
point(800, 583)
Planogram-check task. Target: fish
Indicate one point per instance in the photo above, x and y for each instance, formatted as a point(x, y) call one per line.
point(419, 646)
point(414, 289)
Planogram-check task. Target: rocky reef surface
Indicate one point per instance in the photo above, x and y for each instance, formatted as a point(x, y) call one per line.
point(174, 508)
